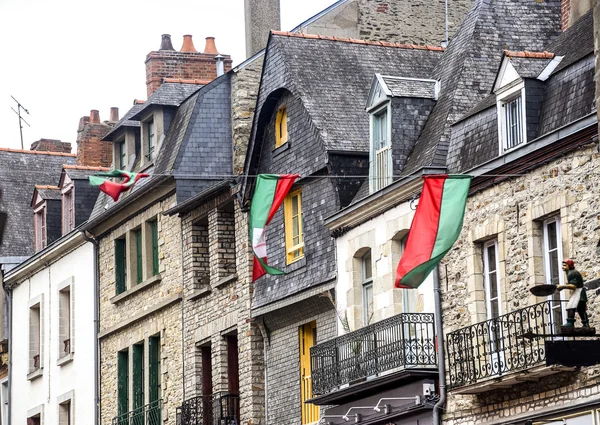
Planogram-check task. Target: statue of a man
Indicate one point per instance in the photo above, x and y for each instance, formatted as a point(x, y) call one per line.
point(578, 299)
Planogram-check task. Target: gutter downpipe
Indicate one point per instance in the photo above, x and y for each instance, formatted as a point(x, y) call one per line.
point(94, 242)
point(439, 406)
point(10, 307)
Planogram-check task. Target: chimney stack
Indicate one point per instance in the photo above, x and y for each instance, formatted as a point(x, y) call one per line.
point(91, 150)
point(51, 145)
point(188, 64)
point(188, 44)
point(261, 16)
point(220, 66)
point(114, 114)
point(572, 10)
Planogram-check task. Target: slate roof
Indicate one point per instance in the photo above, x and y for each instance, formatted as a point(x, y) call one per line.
point(168, 94)
point(402, 87)
point(126, 121)
point(575, 43)
point(470, 63)
point(20, 171)
point(48, 192)
point(78, 172)
point(529, 67)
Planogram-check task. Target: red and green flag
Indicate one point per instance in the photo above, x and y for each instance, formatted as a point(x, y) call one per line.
point(114, 189)
point(435, 227)
point(269, 192)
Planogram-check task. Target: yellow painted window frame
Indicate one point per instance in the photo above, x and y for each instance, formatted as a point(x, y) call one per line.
point(294, 251)
point(307, 339)
point(281, 131)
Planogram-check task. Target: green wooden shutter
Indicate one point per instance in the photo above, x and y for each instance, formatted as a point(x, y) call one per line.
point(120, 273)
point(138, 255)
point(123, 381)
point(154, 368)
point(154, 226)
point(138, 376)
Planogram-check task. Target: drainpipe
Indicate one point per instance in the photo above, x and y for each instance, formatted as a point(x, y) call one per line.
point(439, 406)
point(94, 242)
point(9, 296)
point(263, 332)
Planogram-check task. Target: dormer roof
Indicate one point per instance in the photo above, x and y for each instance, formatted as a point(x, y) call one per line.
point(45, 193)
point(169, 94)
point(386, 86)
point(517, 66)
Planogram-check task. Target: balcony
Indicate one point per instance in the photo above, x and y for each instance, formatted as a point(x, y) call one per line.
point(405, 341)
point(149, 414)
point(215, 409)
point(489, 354)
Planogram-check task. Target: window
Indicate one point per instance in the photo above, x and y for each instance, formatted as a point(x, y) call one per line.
point(294, 238)
point(154, 241)
point(381, 150)
point(367, 287)
point(513, 123)
point(308, 338)
point(34, 420)
point(139, 257)
point(41, 238)
point(150, 140)
point(123, 383)
point(206, 381)
point(553, 274)
point(35, 334)
point(281, 131)
point(492, 292)
point(121, 155)
point(120, 265)
point(138, 377)
point(66, 340)
point(4, 401)
point(65, 415)
point(68, 211)
point(154, 379)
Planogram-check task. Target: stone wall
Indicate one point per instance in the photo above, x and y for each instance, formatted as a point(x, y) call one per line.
point(513, 212)
point(217, 303)
point(146, 309)
point(597, 51)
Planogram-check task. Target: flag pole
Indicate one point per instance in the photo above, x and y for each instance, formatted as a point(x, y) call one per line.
point(439, 406)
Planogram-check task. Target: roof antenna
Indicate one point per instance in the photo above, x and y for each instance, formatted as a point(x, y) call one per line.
point(21, 119)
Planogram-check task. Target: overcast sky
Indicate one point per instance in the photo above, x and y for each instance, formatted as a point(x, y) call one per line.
point(63, 58)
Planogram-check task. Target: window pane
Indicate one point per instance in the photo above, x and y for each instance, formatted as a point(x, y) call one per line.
point(368, 303)
point(491, 250)
point(493, 285)
point(367, 266)
point(554, 269)
point(552, 243)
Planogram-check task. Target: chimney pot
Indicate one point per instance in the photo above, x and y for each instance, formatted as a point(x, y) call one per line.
point(220, 65)
point(210, 46)
point(188, 44)
point(94, 116)
point(114, 114)
point(165, 43)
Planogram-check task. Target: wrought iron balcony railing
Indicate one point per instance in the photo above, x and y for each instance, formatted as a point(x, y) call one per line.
point(215, 409)
point(406, 340)
point(496, 347)
point(150, 414)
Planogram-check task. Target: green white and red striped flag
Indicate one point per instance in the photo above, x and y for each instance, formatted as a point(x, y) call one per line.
point(114, 189)
point(435, 227)
point(269, 192)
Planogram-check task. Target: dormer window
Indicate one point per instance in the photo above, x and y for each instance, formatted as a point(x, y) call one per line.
point(381, 149)
point(281, 131)
point(121, 155)
point(68, 210)
point(40, 227)
point(150, 140)
point(511, 118)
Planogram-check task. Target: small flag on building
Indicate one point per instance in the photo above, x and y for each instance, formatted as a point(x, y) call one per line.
point(113, 189)
point(435, 227)
point(269, 193)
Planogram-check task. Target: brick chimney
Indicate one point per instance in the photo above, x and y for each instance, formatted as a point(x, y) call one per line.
point(572, 10)
point(91, 150)
point(51, 145)
point(187, 64)
point(261, 16)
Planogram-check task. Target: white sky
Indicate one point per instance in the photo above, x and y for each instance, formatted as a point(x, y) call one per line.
point(62, 58)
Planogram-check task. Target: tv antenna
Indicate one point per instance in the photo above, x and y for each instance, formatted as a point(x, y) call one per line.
point(21, 119)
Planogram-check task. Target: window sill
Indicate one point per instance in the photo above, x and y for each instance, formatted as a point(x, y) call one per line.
point(140, 286)
point(35, 374)
point(205, 290)
point(65, 359)
point(225, 280)
point(281, 149)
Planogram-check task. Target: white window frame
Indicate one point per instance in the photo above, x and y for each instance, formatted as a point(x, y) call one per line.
point(4, 401)
point(37, 411)
point(34, 372)
point(66, 285)
point(367, 282)
point(547, 266)
point(377, 182)
point(62, 399)
point(503, 98)
point(491, 244)
point(40, 227)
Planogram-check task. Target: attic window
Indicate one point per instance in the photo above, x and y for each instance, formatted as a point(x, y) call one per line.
point(150, 140)
point(281, 131)
point(381, 149)
point(68, 221)
point(121, 155)
point(40, 228)
point(511, 118)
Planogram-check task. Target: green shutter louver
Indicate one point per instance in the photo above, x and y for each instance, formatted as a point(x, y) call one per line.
point(154, 227)
point(154, 368)
point(138, 255)
point(120, 266)
point(138, 376)
point(123, 382)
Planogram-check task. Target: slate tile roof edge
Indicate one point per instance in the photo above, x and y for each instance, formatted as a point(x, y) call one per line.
point(85, 167)
point(37, 152)
point(356, 41)
point(185, 81)
point(527, 54)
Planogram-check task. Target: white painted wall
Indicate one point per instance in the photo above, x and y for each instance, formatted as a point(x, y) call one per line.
point(377, 234)
point(77, 375)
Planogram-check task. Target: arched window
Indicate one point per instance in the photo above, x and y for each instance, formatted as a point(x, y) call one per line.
point(367, 287)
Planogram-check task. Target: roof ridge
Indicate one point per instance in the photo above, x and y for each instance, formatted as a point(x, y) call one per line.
point(38, 152)
point(41, 186)
point(529, 54)
point(85, 167)
point(356, 41)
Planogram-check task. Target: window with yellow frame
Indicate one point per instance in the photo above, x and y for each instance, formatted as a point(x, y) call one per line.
point(281, 131)
point(294, 238)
